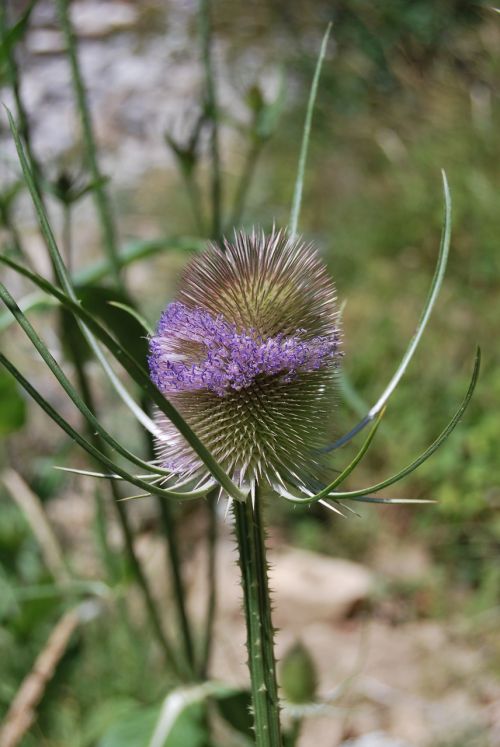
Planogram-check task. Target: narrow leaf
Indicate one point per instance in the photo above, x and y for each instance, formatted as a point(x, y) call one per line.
point(409, 468)
point(135, 314)
point(428, 307)
point(67, 386)
point(299, 182)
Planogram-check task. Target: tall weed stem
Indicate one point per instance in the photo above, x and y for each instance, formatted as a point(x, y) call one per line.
point(99, 191)
point(249, 529)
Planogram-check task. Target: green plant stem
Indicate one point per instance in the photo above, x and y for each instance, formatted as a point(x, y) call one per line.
point(247, 173)
point(194, 196)
point(169, 526)
point(67, 239)
point(174, 567)
point(15, 239)
point(212, 112)
point(208, 633)
point(249, 530)
point(301, 167)
point(99, 191)
point(14, 81)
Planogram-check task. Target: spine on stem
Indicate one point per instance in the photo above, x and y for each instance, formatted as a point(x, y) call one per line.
point(250, 537)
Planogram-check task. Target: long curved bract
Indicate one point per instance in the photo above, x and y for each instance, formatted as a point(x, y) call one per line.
point(437, 280)
point(354, 494)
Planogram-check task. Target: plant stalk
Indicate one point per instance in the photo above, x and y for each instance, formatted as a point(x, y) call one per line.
point(15, 84)
point(212, 113)
point(99, 191)
point(249, 529)
point(174, 571)
point(174, 567)
point(208, 633)
point(245, 181)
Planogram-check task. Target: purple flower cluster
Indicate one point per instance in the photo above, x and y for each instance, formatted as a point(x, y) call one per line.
point(224, 359)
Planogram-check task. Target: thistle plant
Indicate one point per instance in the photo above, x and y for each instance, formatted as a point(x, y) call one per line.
point(248, 355)
point(242, 377)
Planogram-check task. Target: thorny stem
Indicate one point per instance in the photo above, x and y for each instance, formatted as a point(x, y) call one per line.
point(212, 113)
point(249, 530)
point(99, 191)
point(212, 584)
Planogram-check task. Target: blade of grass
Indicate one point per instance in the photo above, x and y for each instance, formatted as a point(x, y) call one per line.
point(135, 314)
point(212, 112)
point(299, 181)
point(437, 281)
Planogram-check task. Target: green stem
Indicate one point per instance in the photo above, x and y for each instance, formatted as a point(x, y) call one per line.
point(294, 731)
point(249, 530)
point(174, 567)
point(208, 633)
point(14, 81)
point(194, 196)
point(67, 237)
point(245, 180)
point(99, 191)
point(212, 113)
point(15, 239)
point(174, 561)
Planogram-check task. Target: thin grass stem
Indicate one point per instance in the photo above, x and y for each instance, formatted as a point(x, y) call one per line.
point(99, 191)
point(299, 182)
point(212, 113)
point(208, 632)
point(245, 181)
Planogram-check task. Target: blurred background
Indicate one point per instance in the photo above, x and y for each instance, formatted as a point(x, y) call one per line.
point(400, 607)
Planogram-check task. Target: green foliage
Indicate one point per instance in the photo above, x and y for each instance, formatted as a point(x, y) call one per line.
point(11, 36)
point(99, 301)
point(12, 405)
point(298, 679)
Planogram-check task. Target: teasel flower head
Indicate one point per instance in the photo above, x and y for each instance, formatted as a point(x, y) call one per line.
point(248, 353)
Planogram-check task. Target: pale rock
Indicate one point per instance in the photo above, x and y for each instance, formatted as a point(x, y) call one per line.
point(375, 739)
point(308, 587)
point(99, 19)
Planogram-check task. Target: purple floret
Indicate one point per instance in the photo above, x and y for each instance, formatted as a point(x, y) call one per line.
point(224, 359)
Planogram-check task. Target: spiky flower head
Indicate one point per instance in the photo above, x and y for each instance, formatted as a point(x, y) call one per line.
point(248, 354)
